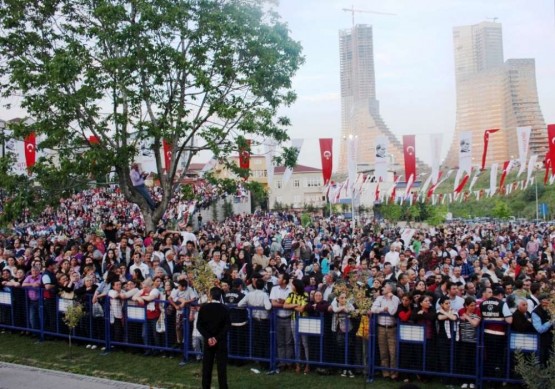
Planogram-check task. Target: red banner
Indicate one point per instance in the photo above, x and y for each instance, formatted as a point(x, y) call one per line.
point(504, 174)
point(462, 184)
point(551, 137)
point(245, 155)
point(486, 142)
point(167, 146)
point(410, 160)
point(434, 186)
point(93, 140)
point(326, 155)
point(30, 150)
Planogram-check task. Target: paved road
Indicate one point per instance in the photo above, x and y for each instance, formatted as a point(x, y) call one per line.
point(14, 376)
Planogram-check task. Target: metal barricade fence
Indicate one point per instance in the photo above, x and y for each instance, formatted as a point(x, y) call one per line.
point(308, 341)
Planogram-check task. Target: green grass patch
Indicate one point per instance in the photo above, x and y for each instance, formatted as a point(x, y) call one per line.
point(161, 372)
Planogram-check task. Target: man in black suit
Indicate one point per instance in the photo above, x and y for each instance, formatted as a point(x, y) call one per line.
point(213, 323)
point(169, 265)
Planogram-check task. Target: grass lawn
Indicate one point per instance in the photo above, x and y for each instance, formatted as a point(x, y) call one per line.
point(158, 371)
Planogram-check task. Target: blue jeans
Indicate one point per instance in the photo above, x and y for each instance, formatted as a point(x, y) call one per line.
point(144, 192)
point(34, 314)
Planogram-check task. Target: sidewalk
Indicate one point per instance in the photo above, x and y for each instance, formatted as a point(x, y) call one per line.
point(14, 376)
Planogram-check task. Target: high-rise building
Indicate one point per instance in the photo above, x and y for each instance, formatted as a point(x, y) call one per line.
point(493, 93)
point(360, 110)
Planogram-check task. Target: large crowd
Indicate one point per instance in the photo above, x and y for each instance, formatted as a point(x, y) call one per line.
point(448, 278)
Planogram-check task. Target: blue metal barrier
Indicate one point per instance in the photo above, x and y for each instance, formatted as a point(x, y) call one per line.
point(257, 340)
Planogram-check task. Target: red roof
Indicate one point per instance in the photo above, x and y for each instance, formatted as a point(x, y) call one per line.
point(297, 169)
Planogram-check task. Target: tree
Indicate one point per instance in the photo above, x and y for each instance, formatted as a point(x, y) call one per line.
point(501, 210)
point(99, 77)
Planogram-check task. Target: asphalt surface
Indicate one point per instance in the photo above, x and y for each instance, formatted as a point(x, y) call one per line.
point(14, 376)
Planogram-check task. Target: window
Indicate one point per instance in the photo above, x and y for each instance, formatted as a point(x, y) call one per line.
point(296, 183)
point(312, 182)
point(278, 184)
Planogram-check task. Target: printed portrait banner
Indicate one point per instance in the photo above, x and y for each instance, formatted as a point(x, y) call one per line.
point(326, 156)
point(465, 152)
point(381, 163)
point(523, 140)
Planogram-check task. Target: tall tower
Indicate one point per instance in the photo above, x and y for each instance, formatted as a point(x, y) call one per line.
point(492, 93)
point(360, 113)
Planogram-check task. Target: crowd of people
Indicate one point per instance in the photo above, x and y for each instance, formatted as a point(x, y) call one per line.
point(449, 279)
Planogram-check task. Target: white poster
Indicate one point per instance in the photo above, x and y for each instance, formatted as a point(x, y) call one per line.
point(145, 158)
point(493, 178)
point(531, 167)
point(269, 153)
point(436, 143)
point(381, 163)
point(523, 138)
point(352, 161)
point(15, 148)
point(297, 144)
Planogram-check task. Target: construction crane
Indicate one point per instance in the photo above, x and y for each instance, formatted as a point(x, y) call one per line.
point(352, 10)
point(494, 19)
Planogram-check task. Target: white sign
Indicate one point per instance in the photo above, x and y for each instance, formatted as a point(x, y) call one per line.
point(312, 326)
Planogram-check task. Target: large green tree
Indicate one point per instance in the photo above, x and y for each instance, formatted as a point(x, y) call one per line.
point(215, 71)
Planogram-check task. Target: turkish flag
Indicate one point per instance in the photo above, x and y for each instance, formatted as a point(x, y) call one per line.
point(504, 173)
point(410, 160)
point(245, 155)
point(551, 137)
point(93, 140)
point(30, 143)
point(167, 146)
point(462, 184)
point(326, 154)
point(486, 142)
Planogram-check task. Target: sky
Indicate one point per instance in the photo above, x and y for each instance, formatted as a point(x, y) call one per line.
point(414, 62)
point(413, 52)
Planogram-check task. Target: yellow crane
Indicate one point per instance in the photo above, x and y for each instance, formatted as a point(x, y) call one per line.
point(352, 10)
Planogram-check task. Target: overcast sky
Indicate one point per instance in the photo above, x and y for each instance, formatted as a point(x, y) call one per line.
point(413, 53)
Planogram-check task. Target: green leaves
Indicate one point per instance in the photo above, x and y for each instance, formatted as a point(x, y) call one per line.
point(154, 69)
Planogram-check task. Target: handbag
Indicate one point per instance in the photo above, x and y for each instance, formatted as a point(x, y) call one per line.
point(97, 310)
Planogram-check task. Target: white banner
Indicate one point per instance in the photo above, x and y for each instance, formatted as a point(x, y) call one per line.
point(523, 138)
point(145, 158)
point(465, 151)
point(436, 141)
point(531, 168)
point(211, 164)
point(352, 161)
point(15, 148)
point(297, 144)
point(269, 153)
point(493, 178)
point(381, 163)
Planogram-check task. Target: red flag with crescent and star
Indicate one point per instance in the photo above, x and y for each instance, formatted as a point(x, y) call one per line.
point(245, 156)
point(486, 142)
point(167, 146)
point(506, 169)
point(326, 154)
point(410, 160)
point(551, 137)
point(30, 143)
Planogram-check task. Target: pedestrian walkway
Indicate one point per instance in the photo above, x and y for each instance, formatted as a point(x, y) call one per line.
point(13, 376)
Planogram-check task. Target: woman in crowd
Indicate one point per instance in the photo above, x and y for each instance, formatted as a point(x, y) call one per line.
point(297, 301)
point(425, 315)
point(469, 321)
point(447, 332)
point(341, 325)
